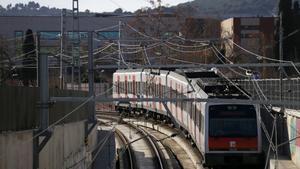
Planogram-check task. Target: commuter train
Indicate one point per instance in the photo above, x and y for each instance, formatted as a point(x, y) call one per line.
point(225, 133)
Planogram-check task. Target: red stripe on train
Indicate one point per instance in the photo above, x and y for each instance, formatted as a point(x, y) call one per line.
point(232, 143)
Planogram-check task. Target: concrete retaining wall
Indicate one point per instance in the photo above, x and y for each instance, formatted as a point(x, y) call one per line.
point(65, 149)
point(16, 150)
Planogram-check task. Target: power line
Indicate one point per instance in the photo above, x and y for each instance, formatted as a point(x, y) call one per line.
point(259, 57)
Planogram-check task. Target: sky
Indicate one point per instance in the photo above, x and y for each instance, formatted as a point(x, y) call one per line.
point(96, 5)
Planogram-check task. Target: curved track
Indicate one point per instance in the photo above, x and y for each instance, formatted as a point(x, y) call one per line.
point(167, 153)
point(127, 162)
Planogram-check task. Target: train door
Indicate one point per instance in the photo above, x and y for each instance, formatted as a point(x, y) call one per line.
point(146, 88)
point(153, 82)
point(171, 96)
point(198, 114)
point(181, 103)
point(160, 94)
point(176, 103)
point(133, 87)
point(190, 116)
point(118, 86)
point(194, 120)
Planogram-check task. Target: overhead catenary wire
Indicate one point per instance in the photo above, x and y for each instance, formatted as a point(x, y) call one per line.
point(259, 57)
point(186, 51)
point(255, 84)
point(216, 54)
point(20, 56)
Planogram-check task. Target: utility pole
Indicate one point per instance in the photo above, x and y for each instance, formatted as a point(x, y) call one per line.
point(119, 45)
point(76, 45)
point(37, 47)
point(44, 92)
point(281, 58)
point(42, 135)
point(280, 88)
point(91, 74)
point(62, 38)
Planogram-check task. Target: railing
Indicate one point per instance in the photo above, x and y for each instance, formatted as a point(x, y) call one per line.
point(271, 89)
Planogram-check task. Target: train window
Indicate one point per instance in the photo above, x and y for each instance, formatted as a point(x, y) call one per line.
point(145, 88)
point(126, 87)
point(133, 87)
point(118, 86)
point(136, 87)
point(155, 93)
point(160, 91)
point(157, 90)
point(130, 87)
point(122, 87)
point(199, 119)
point(232, 121)
point(202, 123)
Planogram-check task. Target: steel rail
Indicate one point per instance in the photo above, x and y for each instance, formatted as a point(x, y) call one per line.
point(151, 141)
point(127, 148)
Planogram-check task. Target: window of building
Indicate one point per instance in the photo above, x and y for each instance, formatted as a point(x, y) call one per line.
point(19, 42)
point(74, 35)
point(49, 35)
point(109, 35)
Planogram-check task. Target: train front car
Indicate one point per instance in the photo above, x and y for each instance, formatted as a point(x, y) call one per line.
point(233, 135)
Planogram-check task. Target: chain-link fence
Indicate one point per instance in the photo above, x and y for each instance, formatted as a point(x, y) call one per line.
point(271, 89)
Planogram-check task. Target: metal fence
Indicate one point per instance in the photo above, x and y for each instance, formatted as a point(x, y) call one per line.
point(19, 109)
point(100, 89)
point(271, 89)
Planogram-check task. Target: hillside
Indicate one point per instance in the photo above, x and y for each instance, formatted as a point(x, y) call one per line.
point(228, 8)
point(198, 8)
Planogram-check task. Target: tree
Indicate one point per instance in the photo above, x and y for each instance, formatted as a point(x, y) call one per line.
point(29, 60)
point(118, 11)
point(5, 62)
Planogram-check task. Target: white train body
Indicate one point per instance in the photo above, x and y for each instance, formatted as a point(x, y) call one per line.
point(194, 116)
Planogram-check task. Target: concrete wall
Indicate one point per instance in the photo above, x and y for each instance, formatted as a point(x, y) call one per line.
point(16, 150)
point(293, 126)
point(18, 113)
point(66, 148)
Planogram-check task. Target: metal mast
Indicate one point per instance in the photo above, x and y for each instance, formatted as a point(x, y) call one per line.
point(62, 39)
point(76, 45)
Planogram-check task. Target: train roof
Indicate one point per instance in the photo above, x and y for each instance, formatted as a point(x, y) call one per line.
point(214, 85)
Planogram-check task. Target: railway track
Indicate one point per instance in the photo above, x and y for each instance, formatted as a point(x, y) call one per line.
point(167, 154)
point(133, 141)
point(125, 158)
point(182, 152)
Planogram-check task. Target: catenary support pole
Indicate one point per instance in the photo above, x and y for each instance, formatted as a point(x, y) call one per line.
point(91, 74)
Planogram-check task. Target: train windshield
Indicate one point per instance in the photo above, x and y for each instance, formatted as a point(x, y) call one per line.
point(232, 121)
